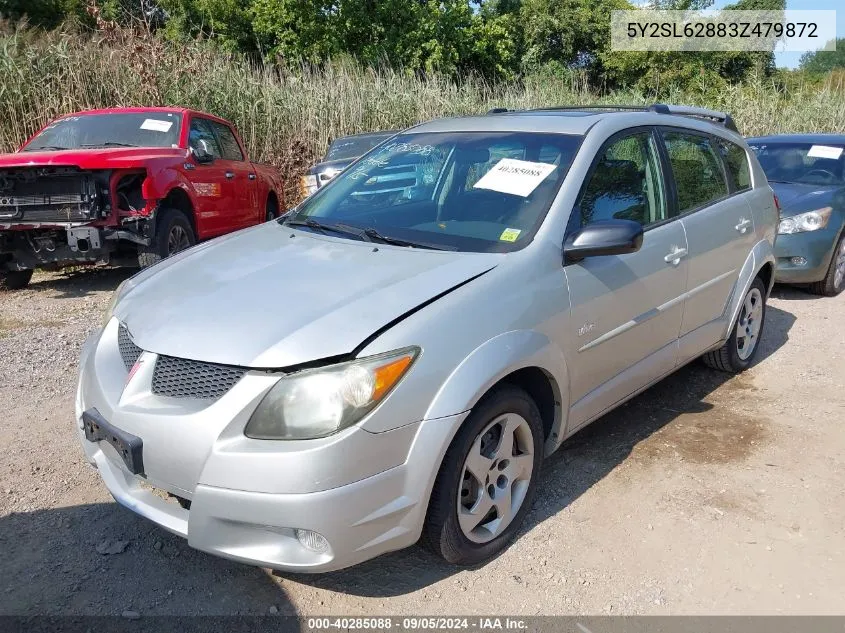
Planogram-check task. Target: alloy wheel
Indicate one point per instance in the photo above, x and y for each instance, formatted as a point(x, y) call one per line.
point(177, 240)
point(495, 478)
point(839, 272)
point(748, 326)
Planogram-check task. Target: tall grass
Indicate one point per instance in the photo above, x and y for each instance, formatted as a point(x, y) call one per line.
point(286, 116)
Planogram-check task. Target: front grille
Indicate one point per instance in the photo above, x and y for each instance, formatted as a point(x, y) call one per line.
point(129, 352)
point(181, 378)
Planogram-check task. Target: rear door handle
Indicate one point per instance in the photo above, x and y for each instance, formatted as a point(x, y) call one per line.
point(674, 257)
point(252, 176)
point(743, 225)
point(230, 174)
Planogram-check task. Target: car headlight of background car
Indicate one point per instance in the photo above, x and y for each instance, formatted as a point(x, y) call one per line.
point(319, 402)
point(803, 222)
point(307, 185)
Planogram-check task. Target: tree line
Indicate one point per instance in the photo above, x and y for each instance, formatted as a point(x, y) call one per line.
point(493, 39)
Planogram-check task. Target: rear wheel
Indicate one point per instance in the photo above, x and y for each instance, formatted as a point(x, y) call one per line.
point(834, 281)
point(742, 345)
point(173, 234)
point(15, 279)
point(272, 209)
point(487, 479)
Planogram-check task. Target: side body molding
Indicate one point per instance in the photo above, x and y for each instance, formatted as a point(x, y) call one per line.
point(495, 359)
point(761, 254)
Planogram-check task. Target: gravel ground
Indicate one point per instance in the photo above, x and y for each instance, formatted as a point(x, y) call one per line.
point(706, 494)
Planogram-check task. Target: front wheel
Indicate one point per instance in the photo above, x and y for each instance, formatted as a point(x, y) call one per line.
point(834, 281)
point(487, 479)
point(742, 345)
point(173, 233)
point(15, 279)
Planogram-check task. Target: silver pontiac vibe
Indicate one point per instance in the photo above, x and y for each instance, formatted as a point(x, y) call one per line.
point(391, 363)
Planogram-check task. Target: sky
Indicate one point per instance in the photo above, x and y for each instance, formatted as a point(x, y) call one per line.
point(790, 60)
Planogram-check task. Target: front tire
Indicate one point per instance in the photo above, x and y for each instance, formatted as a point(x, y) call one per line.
point(487, 480)
point(742, 346)
point(15, 279)
point(834, 281)
point(173, 234)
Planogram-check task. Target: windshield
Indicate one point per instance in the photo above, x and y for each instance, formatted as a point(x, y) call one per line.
point(805, 163)
point(472, 191)
point(128, 129)
point(354, 146)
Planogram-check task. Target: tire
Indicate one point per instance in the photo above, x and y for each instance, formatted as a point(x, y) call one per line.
point(173, 234)
point(834, 281)
point(15, 279)
point(738, 353)
point(504, 408)
point(272, 209)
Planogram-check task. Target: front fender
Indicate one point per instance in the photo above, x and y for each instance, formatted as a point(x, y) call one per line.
point(495, 359)
point(161, 182)
point(760, 255)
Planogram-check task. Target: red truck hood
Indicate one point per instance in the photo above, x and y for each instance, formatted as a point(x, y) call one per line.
point(109, 158)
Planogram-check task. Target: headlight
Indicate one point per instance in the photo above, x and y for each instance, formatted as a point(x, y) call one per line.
point(318, 402)
point(116, 296)
point(308, 185)
point(803, 222)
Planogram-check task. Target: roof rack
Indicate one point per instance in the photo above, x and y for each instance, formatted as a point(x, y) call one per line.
point(714, 116)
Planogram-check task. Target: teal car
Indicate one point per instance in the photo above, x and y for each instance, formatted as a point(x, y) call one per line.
point(807, 173)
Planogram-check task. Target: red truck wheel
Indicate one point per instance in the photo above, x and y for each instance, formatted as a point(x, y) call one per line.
point(14, 279)
point(173, 234)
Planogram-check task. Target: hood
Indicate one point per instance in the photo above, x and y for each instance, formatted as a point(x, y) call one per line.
point(340, 164)
point(261, 298)
point(797, 198)
point(108, 158)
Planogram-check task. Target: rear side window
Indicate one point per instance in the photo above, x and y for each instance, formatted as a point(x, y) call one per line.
point(736, 162)
point(228, 142)
point(201, 131)
point(626, 183)
point(697, 169)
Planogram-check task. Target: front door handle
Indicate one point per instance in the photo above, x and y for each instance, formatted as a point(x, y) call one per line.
point(675, 255)
point(230, 175)
point(743, 225)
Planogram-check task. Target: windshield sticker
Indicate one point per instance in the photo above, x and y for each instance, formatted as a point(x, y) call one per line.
point(516, 177)
point(156, 126)
point(824, 151)
point(510, 235)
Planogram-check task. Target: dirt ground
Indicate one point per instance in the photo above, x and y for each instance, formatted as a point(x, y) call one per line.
point(707, 494)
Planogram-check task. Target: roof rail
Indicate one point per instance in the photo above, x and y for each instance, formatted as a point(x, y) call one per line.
point(700, 113)
point(714, 116)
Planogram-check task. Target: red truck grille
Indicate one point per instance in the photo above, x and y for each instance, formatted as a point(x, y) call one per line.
point(48, 195)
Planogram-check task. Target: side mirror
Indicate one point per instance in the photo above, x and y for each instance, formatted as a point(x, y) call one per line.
point(605, 237)
point(202, 152)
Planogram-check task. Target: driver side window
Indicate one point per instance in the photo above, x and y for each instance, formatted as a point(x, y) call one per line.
point(201, 131)
point(626, 184)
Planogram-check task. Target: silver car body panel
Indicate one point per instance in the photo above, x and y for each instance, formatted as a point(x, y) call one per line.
point(272, 298)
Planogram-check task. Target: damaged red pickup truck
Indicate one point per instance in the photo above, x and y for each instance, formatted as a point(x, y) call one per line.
point(127, 186)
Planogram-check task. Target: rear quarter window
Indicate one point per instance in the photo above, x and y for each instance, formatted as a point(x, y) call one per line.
point(736, 162)
point(697, 169)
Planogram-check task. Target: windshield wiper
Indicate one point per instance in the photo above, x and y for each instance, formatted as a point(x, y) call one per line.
point(344, 229)
point(48, 148)
point(108, 144)
point(368, 235)
point(375, 236)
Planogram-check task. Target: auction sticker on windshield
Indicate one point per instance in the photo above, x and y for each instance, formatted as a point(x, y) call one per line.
point(825, 151)
point(516, 177)
point(156, 126)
